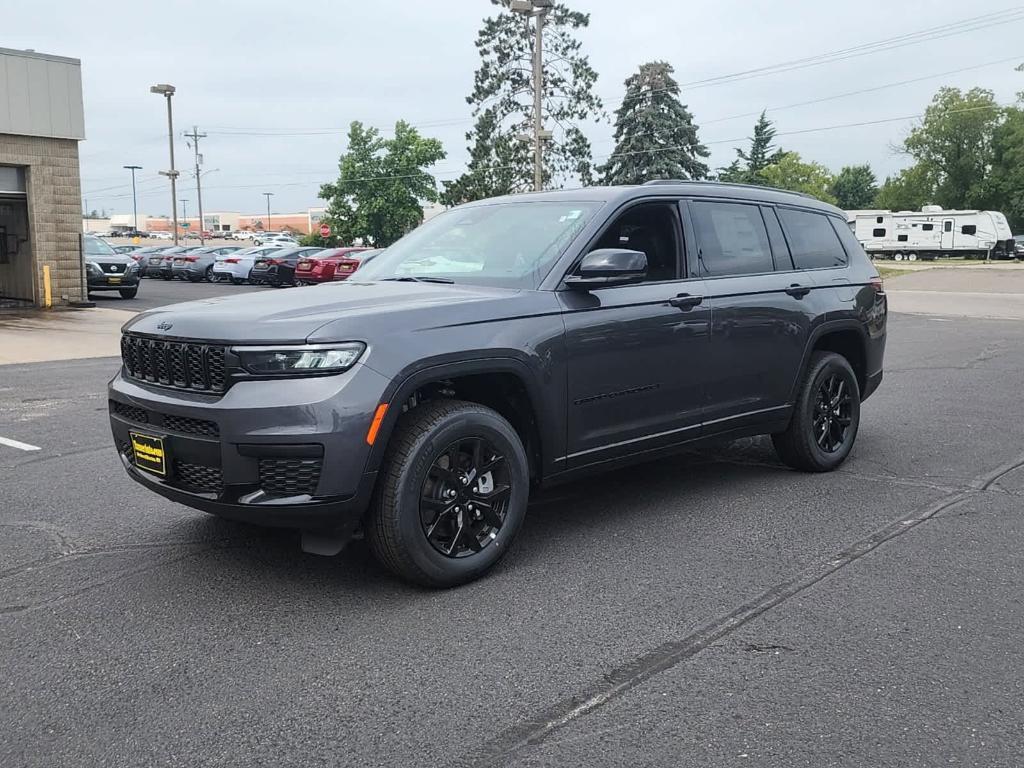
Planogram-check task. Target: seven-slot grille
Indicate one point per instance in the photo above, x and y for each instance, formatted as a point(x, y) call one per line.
point(183, 365)
point(114, 269)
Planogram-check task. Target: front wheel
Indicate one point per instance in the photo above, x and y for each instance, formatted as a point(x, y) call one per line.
point(128, 293)
point(826, 416)
point(451, 496)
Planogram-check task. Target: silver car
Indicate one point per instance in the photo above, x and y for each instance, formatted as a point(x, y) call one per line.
point(235, 267)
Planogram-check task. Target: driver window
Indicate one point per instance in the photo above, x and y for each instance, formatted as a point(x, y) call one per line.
point(651, 228)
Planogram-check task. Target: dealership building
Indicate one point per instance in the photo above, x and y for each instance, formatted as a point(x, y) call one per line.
point(41, 123)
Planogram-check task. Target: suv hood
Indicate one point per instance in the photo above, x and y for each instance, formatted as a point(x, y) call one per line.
point(343, 311)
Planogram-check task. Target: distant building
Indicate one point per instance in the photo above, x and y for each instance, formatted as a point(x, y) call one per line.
point(41, 122)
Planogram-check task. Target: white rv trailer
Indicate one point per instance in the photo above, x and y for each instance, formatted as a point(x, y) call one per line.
point(932, 232)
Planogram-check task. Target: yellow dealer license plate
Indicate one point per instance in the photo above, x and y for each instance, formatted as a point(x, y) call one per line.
point(149, 453)
point(114, 280)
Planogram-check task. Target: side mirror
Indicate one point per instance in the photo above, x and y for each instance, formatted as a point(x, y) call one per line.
point(607, 267)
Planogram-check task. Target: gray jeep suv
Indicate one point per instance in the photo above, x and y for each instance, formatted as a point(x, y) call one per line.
point(506, 344)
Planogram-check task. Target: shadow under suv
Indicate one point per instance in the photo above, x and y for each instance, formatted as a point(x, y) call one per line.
point(506, 344)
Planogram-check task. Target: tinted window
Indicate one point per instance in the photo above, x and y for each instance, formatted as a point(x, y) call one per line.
point(878, 220)
point(812, 241)
point(927, 227)
point(947, 226)
point(880, 232)
point(969, 229)
point(731, 239)
point(901, 238)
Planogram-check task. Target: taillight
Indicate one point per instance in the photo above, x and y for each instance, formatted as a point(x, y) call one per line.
point(191, 258)
point(273, 262)
point(347, 266)
point(231, 261)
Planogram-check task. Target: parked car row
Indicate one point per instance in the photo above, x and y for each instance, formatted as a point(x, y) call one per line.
point(270, 264)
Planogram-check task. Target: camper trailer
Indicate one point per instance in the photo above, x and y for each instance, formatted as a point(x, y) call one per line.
point(933, 232)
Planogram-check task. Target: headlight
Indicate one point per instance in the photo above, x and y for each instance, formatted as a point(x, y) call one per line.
point(92, 266)
point(319, 358)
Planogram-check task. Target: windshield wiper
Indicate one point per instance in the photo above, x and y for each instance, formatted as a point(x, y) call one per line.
point(411, 279)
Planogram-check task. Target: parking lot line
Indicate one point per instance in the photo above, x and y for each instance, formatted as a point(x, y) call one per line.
point(20, 446)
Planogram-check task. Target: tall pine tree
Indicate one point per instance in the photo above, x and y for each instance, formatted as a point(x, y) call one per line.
point(502, 99)
point(655, 136)
point(748, 166)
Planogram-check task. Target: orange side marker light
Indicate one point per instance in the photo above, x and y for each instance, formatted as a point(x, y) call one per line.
point(378, 417)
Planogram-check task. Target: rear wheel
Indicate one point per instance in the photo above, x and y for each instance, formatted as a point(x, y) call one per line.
point(826, 416)
point(237, 281)
point(451, 496)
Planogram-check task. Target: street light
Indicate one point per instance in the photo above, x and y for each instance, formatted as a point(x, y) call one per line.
point(135, 206)
point(167, 91)
point(184, 215)
point(537, 9)
point(268, 195)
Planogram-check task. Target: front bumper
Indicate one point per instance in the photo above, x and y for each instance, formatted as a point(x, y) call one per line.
point(286, 453)
point(103, 282)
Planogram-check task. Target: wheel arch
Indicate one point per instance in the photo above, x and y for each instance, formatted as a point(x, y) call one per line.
point(506, 385)
point(844, 337)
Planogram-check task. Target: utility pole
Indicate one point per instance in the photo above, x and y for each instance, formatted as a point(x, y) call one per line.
point(537, 10)
point(196, 136)
point(184, 214)
point(268, 195)
point(167, 91)
point(135, 205)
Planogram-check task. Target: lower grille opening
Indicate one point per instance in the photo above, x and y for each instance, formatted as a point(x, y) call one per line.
point(131, 412)
point(282, 477)
point(197, 477)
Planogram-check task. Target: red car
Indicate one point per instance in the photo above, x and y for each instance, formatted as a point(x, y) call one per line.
point(327, 265)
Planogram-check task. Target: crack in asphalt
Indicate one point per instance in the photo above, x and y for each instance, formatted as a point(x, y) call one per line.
point(505, 747)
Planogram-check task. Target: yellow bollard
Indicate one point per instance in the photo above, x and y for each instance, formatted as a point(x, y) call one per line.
point(47, 297)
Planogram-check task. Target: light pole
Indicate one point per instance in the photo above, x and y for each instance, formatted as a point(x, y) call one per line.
point(167, 91)
point(184, 214)
point(135, 206)
point(268, 195)
point(536, 9)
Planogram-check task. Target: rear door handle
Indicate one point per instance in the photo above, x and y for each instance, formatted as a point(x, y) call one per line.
point(798, 291)
point(685, 301)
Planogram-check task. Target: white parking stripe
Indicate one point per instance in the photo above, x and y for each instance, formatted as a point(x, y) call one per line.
point(19, 446)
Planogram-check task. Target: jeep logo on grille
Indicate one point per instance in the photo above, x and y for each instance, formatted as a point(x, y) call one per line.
point(165, 326)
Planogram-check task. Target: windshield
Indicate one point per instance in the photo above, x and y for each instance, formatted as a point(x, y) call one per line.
point(96, 247)
point(509, 245)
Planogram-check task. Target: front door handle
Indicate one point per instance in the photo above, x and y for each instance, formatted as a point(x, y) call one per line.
point(798, 291)
point(685, 301)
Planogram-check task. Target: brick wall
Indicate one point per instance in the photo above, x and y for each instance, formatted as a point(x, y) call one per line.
point(54, 209)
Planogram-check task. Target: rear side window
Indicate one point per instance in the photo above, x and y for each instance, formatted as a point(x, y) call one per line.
point(813, 242)
point(731, 239)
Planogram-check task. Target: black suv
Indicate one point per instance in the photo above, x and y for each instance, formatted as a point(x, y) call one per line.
point(506, 344)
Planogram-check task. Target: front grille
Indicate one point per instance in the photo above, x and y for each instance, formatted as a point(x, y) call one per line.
point(182, 365)
point(131, 412)
point(289, 477)
point(197, 477)
point(114, 269)
point(191, 426)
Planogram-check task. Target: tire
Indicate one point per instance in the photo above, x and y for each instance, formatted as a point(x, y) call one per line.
point(208, 274)
point(167, 277)
point(128, 293)
point(897, 257)
point(797, 446)
point(237, 281)
point(423, 440)
point(911, 257)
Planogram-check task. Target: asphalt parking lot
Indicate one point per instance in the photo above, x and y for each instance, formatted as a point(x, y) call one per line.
point(709, 609)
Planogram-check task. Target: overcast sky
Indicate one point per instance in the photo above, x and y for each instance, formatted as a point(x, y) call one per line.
point(245, 70)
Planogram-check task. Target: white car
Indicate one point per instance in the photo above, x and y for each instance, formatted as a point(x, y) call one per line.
point(275, 238)
point(161, 235)
point(235, 267)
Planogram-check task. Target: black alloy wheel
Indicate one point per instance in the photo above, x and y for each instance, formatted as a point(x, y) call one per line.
point(464, 497)
point(833, 415)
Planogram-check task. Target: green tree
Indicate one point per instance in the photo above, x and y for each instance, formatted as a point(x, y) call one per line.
point(748, 166)
point(790, 172)
point(655, 137)
point(953, 143)
point(382, 184)
point(1003, 189)
point(502, 100)
point(855, 187)
point(908, 190)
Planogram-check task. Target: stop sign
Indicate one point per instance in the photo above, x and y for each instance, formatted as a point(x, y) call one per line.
point(325, 230)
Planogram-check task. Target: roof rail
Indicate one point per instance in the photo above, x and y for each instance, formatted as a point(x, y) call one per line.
point(655, 182)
